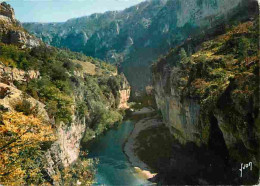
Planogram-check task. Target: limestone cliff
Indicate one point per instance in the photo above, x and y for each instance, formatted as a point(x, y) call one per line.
point(11, 30)
point(140, 34)
point(124, 93)
point(9, 75)
point(207, 91)
point(71, 93)
point(65, 150)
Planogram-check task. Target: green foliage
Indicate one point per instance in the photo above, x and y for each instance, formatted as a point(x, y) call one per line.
point(92, 97)
point(243, 47)
point(58, 87)
point(69, 65)
point(89, 134)
point(58, 103)
point(81, 172)
point(183, 56)
point(25, 107)
point(82, 109)
point(104, 118)
point(12, 56)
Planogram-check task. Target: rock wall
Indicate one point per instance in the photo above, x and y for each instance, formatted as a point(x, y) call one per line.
point(181, 117)
point(11, 31)
point(230, 131)
point(217, 111)
point(7, 11)
point(8, 74)
point(124, 97)
point(204, 13)
point(124, 93)
point(66, 149)
point(138, 35)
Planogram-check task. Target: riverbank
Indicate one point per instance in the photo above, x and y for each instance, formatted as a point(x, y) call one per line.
point(131, 144)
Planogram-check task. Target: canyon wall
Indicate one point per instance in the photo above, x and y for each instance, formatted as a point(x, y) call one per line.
point(92, 99)
point(138, 35)
point(208, 91)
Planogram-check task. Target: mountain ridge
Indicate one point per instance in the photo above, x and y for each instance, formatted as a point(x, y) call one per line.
point(138, 35)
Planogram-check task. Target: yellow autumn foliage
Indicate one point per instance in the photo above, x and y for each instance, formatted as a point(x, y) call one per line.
point(21, 156)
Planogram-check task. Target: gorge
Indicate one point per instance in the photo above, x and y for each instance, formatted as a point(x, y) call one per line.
point(191, 67)
point(137, 36)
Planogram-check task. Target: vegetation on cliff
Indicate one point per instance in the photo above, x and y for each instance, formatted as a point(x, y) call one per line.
point(138, 35)
point(94, 98)
point(221, 74)
point(71, 93)
point(21, 139)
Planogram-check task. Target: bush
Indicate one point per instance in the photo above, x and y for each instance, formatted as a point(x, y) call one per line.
point(24, 107)
point(69, 65)
point(82, 109)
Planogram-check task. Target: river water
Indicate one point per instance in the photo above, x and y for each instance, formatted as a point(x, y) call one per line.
point(113, 167)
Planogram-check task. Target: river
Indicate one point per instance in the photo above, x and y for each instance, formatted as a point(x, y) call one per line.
point(113, 167)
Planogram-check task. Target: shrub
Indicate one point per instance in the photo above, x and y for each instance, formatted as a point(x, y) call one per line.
point(24, 107)
point(21, 158)
point(82, 109)
point(69, 65)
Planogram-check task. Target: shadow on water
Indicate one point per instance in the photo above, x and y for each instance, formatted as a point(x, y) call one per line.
point(179, 165)
point(193, 165)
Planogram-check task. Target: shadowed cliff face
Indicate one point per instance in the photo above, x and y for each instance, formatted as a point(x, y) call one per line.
point(207, 89)
point(138, 35)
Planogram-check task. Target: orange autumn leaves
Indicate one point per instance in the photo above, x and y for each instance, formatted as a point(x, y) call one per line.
point(20, 151)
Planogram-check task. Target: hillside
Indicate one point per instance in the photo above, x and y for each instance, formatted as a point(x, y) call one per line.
point(208, 92)
point(50, 101)
point(138, 35)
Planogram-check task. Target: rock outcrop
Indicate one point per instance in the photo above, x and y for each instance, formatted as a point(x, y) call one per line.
point(7, 11)
point(11, 97)
point(9, 75)
point(124, 94)
point(11, 30)
point(66, 149)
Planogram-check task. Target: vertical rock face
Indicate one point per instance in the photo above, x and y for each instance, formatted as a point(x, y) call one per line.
point(66, 149)
point(11, 31)
point(204, 13)
point(204, 96)
point(181, 116)
point(124, 94)
point(7, 11)
point(124, 97)
point(138, 35)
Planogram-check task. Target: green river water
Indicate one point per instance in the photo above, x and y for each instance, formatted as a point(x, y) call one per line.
point(114, 167)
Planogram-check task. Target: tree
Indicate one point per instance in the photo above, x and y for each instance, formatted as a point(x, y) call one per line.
point(183, 57)
point(21, 157)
